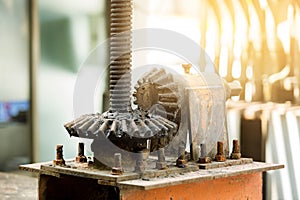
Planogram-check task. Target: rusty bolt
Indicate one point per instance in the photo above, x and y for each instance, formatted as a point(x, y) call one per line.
point(204, 158)
point(117, 169)
point(80, 156)
point(59, 156)
point(235, 150)
point(140, 162)
point(181, 162)
point(220, 157)
point(161, 163)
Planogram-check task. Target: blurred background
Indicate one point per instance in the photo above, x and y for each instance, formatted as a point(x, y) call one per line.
point(255, 42)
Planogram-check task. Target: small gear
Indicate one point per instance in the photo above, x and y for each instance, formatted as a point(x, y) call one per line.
point(157, 93)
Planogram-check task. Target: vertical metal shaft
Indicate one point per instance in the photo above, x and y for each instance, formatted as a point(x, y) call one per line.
point(203, 150)
point(118, 159)
point(80, 149)
point(80, 156)
point(59, 156)
point(120, 55)
point(220, 148)
point(59, 152)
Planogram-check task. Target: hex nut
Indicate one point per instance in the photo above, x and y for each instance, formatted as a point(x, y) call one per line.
point(117, 171)
point(204, 160)
point(59, 162)
point(81, 159)
point(220, 158)
point(161, 165)
point(181, 163)
point(235, 156)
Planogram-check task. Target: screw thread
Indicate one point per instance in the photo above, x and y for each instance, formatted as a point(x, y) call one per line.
point(118, 160)
point(161, 155)
point(220, 148)
point(236, 146)
point(120, 55)
point(80, 149)
point(181, 152)
point(59, 152)
point(203, 150)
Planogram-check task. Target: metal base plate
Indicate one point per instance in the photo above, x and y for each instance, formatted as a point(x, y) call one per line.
point(104, 177)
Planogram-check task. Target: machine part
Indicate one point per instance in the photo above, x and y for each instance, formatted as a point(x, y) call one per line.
point(117, 169)
point(161, 163)
point(204, 158)
point(157, 93)
point(140, 165)
point(181, 161)
point(232, 88)
point(197, 96)
point(80, 158)
point(120, 55)
point(59, 156)
point(158, 97)
point(126, 128)
point(220, 157)
point(235, 150)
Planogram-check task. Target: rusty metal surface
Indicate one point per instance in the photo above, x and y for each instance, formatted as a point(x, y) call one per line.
point(228, 162)
point(157, 178)
point(83, 170)
point(247, 186)
point(200, 175)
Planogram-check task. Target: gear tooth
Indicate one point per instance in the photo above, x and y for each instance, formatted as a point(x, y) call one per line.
point(147, 74)
point(140, 81)
point(168, 97)
point(163, 79)
point(154, 76)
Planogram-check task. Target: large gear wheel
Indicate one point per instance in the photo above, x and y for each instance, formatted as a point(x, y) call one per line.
point(157, 93)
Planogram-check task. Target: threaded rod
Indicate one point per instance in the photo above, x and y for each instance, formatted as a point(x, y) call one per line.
point(120, 55)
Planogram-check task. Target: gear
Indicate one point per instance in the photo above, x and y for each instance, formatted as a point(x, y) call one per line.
point(157, 93)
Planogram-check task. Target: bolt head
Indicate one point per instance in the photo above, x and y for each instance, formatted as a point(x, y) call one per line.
point(59, 162)
point(220, 158)
point(235, 156)
point(139, 169)
point(117, 171)
point(181, 163)
point(204, 160)
point(81, 159)
point(161, 165)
